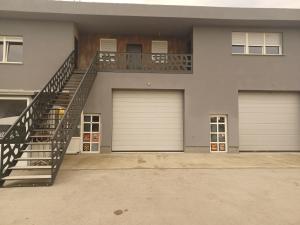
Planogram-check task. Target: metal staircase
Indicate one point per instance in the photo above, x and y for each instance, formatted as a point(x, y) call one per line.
point(33, 148)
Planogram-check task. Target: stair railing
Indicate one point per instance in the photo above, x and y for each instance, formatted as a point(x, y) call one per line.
point(65, 129)
point(14, 140)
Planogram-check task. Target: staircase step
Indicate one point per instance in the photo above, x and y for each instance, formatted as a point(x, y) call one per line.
point(38, 143)
point(67, 92)
point(48, 119)
point(40, 136)
point(43, 129)
point(63, 95)
point(62, 99)
point(75, 79)
point(30, 167)
point(27, 177)
point(37, 151)
point(71, 85)
point(33, 159)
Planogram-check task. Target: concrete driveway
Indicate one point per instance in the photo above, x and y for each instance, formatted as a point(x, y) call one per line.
point(136, 196)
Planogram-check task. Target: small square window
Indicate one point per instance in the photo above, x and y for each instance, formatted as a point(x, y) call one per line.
point(214, 127)
point(87, 127)
point(221, 128)
point(238, 49)
point(221, 119)
point(95, 147)
point(257, 50)
point(222, 147)
point(222, 138)
point(86, 137)
point(272, 50)
point(213, 119)
point(95, 137)
point(214, 147)
point(213, 138)
point(95, 119)
point(14, 51)
point(86, 147)
point(87, 119)
point(95, 127)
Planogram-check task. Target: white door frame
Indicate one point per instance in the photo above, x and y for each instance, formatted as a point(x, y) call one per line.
point(82, 131)
point(28, 99)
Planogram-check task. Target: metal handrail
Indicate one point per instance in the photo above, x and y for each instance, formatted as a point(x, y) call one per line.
point(65, 129)
point(36, 98)
point(14, 140)
point(145, 62)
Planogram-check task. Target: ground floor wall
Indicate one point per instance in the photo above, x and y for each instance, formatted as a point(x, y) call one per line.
point(196, 111)
point(199, 103)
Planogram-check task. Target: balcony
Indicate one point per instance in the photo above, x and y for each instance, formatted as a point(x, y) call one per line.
point(145, 62)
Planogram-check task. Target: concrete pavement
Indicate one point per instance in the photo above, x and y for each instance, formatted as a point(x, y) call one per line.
point(181, 160)
point(138, 196)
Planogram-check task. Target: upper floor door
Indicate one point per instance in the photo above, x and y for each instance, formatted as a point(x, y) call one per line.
point(134, 56)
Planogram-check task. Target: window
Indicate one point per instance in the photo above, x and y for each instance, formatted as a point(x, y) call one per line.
point(107, 47)
point(238, 43)
point(91, 133)
point(256, 43)
point(218, 133)
point(159, 51)
point(10, 110)
point(11, 49)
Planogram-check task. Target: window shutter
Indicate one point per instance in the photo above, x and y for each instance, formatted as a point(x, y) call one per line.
point(14, 39)
point(273, 39)
point(238, 38)
point(256, 39)
point(108, 45)
point(160, 47)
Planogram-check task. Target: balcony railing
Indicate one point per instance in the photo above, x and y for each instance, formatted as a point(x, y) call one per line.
point(145, 62)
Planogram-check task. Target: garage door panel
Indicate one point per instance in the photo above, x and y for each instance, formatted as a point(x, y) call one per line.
point(268, 109)
point(147, 121)
point(269, 121)
point(269, 139)
point(260, 118)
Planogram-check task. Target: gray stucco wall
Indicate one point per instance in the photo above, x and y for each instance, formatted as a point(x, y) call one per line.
point(214, 85)
point(211, 89)
point(46, 46)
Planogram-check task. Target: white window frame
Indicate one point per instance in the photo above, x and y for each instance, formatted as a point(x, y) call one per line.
point(108, 39)
point(13, 98)
point(82, 133)
point(161, 60)
point(264, 52)
point(5, 40)
point(217, 132)
point(112, 56)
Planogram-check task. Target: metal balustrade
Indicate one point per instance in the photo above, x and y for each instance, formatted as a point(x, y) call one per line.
point(14, 141)
point(145, 62)
point(22, 134)
point(64, 132)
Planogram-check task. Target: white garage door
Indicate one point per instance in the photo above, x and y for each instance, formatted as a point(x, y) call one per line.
point(147, 121)
point(269, 121)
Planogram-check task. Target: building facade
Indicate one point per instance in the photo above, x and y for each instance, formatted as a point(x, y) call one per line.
point(170, 78)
